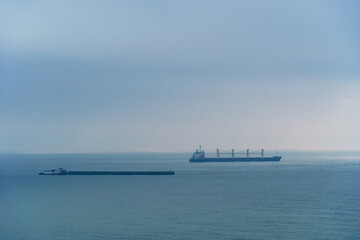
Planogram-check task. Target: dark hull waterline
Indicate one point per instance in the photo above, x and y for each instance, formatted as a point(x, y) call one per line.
point(244, 159)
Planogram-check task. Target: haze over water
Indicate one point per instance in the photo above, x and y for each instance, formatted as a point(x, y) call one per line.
point(308, 195)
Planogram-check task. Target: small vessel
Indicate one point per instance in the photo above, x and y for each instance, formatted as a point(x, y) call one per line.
point(199, 156)
point(61, 171)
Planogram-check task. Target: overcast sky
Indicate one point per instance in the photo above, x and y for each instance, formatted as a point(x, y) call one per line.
point(124, 76)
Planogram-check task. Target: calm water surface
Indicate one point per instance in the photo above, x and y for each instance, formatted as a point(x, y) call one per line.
point(309, 195)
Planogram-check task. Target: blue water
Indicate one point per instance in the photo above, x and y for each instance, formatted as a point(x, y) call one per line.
point(308, 195)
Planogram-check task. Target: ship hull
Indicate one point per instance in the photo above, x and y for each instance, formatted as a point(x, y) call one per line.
point(244, 159)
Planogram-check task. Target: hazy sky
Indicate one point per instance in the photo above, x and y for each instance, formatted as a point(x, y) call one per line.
point(123, 76)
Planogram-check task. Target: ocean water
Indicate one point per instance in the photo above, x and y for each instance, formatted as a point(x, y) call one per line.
point(308, 195)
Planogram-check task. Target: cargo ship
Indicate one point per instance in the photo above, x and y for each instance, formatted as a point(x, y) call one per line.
point(199, 156)
point(61, 171)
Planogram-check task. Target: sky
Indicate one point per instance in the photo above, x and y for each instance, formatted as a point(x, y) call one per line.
point(166, 76)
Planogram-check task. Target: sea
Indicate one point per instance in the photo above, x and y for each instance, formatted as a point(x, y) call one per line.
point(307, 195)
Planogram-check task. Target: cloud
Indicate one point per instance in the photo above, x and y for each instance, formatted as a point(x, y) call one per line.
point(235, 37)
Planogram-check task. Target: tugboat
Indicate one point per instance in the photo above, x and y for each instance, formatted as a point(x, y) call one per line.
point(59, 171)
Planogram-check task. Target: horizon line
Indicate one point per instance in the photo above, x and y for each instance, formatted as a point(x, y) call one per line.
point(180, 151)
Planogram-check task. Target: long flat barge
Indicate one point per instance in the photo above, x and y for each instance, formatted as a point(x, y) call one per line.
point(121, 173)
point(61, 171)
